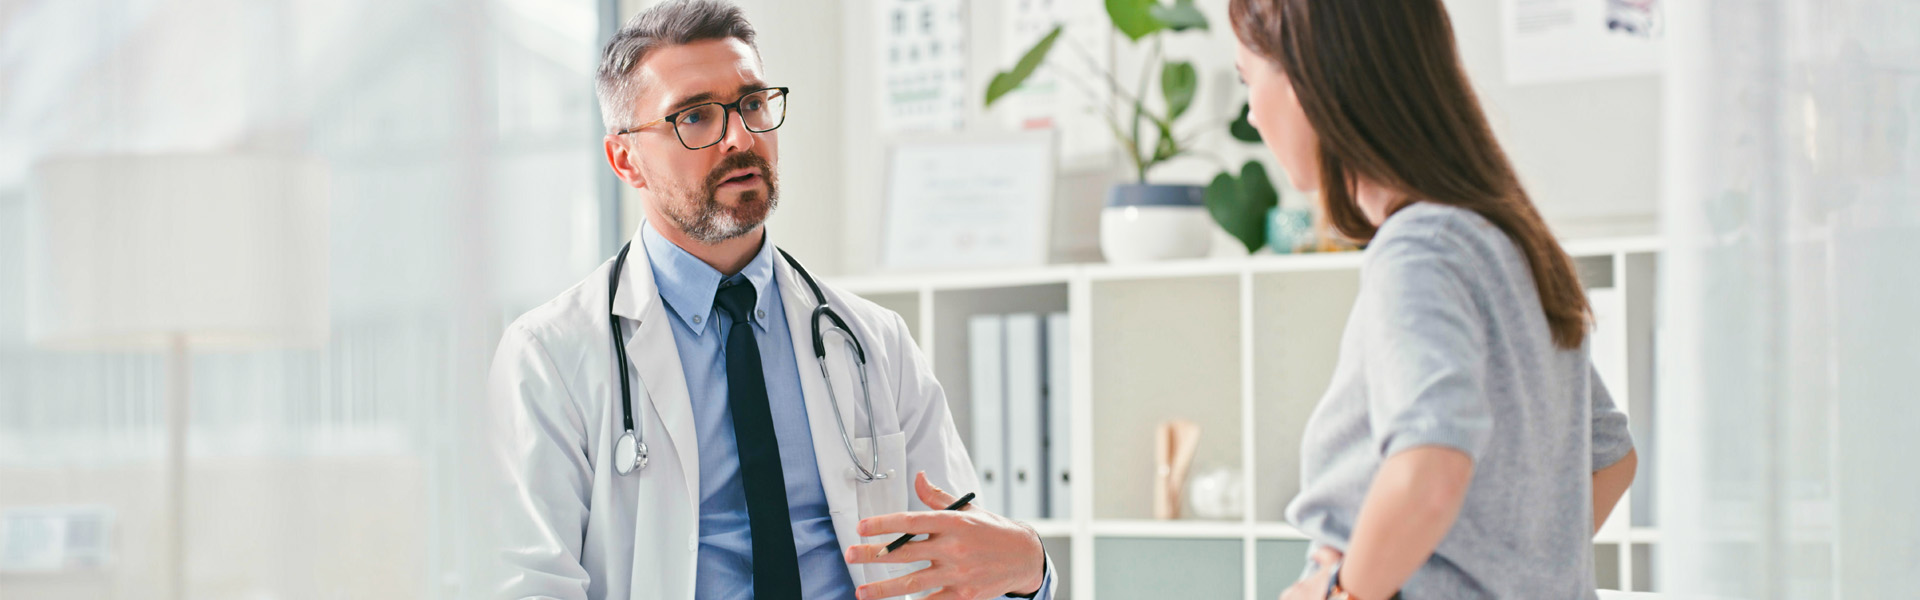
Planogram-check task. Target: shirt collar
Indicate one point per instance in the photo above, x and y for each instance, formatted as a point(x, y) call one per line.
point(688, 284)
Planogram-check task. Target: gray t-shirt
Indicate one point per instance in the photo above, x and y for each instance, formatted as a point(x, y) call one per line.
point(1447, 345)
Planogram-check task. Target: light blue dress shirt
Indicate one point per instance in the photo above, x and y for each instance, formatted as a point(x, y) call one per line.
point(700, 332)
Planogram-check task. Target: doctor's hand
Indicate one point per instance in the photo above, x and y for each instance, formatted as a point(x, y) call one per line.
point(975, 554)
point(1314, 587)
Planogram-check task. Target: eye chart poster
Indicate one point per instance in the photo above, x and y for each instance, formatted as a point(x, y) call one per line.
point(923, 65)
point(1068, 91)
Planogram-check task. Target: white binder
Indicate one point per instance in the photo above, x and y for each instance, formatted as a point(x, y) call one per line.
point(986, 345)
point(1026, 419)
point(1059, 403)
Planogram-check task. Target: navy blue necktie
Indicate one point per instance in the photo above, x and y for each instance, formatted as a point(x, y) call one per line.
point(776, 569)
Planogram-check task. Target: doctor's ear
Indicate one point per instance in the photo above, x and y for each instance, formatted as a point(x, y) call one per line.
point(624, 161)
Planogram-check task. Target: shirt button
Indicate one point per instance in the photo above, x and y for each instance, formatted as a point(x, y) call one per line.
point(760, 314)
point(696, 319)
point(693, 543)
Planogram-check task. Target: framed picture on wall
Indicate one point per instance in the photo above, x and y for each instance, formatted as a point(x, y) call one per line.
point(968, 201)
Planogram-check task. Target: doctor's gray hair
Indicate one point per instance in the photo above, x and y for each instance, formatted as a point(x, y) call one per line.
point(672, 23)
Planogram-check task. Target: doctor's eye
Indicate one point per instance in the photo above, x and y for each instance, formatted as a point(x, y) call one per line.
point(692, 117)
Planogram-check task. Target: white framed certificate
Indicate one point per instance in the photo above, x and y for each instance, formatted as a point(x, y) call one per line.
point(968, 201)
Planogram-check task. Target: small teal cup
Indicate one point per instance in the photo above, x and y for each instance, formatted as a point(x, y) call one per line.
point(1289, 230)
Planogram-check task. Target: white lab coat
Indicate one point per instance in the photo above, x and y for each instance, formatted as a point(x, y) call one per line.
point(573, 528)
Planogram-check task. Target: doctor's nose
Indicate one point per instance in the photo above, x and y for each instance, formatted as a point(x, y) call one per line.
point(736, 138)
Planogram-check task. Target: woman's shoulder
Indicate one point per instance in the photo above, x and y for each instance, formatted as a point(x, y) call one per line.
point(1436, 221)
point(1430, 227)
point(1434, 235)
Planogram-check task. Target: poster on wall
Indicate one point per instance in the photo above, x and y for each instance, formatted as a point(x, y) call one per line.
point(1552, 41)
point(922, 64)
point(1068, 92)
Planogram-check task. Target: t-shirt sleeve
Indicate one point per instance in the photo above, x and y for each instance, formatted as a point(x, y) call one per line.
point(1426, 346)
point(1612, 438)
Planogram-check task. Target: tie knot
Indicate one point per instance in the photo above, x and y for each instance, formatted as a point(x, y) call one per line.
point(736, 300)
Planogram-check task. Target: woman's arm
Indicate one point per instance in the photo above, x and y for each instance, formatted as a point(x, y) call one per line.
point(1413, 501)
point(1428, 406)
point(1609, 484)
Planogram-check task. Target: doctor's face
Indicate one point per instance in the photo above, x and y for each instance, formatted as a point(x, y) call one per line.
point(714, 193)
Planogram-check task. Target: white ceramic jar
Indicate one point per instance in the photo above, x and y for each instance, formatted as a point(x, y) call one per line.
point(1147, 222)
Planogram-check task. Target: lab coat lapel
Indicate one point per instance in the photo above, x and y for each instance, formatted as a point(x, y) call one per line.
point(836, 470)
point(657, 361)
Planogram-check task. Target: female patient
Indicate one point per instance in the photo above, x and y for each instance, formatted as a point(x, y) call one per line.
point(1465, 448)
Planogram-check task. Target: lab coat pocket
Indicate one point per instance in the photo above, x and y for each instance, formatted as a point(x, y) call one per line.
point(891, 494)
point(885, 496)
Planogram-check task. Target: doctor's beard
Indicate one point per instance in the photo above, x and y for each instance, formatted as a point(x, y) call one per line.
point(701, 216)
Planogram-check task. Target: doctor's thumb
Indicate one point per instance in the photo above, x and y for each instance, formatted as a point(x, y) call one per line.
point(930, 494)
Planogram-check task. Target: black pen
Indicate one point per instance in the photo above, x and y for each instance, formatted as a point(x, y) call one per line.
point(962, 503)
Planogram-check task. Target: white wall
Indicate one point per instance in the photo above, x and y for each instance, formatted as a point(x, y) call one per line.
point(1588, 151)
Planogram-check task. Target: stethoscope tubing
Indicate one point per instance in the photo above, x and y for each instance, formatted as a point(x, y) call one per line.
point(862, 472)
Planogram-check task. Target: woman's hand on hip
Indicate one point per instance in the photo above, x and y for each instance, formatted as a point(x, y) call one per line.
point(1314, 586)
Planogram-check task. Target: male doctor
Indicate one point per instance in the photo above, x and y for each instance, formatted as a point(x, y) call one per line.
point(740, 480)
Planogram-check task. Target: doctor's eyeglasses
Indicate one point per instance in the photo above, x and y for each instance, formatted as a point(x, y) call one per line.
point(703, 125)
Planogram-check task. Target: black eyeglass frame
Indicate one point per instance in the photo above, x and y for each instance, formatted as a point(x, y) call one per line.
point(727, 110)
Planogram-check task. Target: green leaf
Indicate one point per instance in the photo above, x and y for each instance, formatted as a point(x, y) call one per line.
point(1178, 82)
point(1223, 202)
point(1183, 15)
point(1240, 204)
point(1134, 18)
point(1258, 189)
point(1006, 82)
point(1241, 128)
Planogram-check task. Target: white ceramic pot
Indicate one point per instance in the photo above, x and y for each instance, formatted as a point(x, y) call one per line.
point(1144, 223)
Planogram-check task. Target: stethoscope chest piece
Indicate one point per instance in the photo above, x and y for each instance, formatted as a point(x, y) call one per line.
point(629, 455)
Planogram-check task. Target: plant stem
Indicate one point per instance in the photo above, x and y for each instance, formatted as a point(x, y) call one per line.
point(1106, 107)
point(1093, 66)
point(1114, 83)
point(1112, 121)
point(1146, 161)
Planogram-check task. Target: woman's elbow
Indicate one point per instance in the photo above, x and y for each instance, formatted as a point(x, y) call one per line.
point(1627, 465)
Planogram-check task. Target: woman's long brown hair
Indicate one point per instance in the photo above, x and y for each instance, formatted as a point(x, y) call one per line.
point(1382, 85)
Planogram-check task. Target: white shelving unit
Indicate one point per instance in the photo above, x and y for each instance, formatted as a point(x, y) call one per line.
point(1244, 348)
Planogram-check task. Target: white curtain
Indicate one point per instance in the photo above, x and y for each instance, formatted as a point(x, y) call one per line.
point(467, 185)
point(1789, 398)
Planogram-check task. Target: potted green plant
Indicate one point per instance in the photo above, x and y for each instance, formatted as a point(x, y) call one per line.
point(1148, 221)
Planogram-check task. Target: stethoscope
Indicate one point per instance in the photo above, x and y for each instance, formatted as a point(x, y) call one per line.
point(630, 452)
